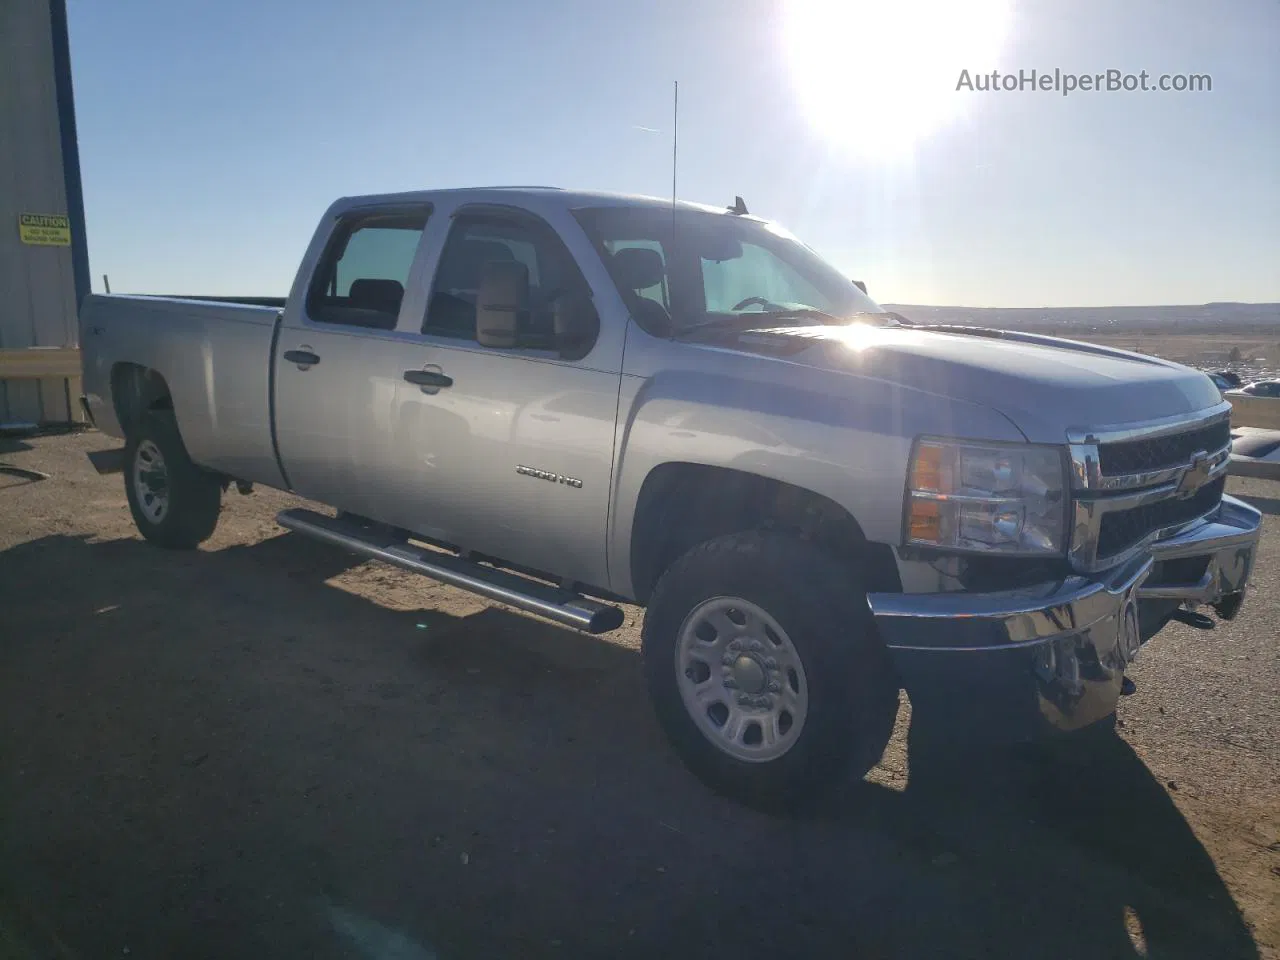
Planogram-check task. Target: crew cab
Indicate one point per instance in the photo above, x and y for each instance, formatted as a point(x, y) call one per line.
point(564, 401)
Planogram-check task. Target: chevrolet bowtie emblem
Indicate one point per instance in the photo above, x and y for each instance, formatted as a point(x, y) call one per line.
point(1194, 477)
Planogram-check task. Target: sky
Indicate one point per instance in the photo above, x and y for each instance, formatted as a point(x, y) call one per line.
point(213, 136)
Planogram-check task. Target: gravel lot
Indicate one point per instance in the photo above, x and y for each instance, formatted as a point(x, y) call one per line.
point(262, 749)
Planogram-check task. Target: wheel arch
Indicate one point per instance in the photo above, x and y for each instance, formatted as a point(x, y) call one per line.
point(137, 390)
point(682, 504)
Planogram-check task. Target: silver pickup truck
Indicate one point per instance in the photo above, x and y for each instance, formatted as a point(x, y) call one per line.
point(564, 400)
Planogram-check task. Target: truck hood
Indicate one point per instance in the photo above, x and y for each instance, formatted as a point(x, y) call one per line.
point(1045, 385)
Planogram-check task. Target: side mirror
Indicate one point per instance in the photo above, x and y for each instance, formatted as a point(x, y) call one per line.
point(502, 299)
point(861, 285)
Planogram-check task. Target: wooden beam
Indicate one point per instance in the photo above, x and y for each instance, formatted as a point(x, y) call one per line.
point(38, 363)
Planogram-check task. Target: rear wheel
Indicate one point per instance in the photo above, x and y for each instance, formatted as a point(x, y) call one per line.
point(174, 503)
point(765, 670)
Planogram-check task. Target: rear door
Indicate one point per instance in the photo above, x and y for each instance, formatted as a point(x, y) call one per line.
point(505, 452)
point(330, 399)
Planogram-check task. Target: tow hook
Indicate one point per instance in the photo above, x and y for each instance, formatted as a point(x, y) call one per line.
point(1192, 619)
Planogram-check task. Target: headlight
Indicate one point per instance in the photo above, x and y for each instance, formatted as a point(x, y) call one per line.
point(986, 497)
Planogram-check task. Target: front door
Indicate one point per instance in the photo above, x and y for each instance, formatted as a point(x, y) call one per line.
point(505, 452)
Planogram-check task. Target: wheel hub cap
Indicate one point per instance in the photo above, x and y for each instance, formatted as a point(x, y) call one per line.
point(741, 679)
point(749, 674)
point(151, 481)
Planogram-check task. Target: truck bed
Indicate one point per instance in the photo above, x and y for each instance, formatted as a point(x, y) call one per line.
point(215, 356)
point(277, 302)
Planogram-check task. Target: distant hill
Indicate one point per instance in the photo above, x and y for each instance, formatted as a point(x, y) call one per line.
point(1236, 318)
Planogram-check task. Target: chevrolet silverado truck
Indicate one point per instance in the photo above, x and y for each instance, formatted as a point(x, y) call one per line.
point(565, 401)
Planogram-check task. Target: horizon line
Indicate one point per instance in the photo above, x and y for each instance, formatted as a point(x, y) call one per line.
point(1105, 306)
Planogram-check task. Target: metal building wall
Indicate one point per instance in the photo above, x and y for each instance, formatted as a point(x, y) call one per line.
point(40, 286)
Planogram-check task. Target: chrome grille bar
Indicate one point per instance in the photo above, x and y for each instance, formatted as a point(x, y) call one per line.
point(1096, 494)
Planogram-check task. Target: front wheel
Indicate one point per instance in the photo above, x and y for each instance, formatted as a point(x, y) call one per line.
point(174, 503)
point(765, 670)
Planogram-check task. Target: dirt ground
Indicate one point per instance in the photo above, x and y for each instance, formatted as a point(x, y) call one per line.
point(263, 749)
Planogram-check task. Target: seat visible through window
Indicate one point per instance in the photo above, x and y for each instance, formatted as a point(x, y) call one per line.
point(640, 272)
point(361, 279)
point(385, 296)
point(452, 312)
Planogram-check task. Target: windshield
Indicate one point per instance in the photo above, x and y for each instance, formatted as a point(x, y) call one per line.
point(693, 269)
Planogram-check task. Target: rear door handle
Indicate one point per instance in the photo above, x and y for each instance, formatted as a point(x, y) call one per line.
point(303, 358)
point(428, 378)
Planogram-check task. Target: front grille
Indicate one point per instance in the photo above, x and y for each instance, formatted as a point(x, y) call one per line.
point(1156, 453)
point(1121, 529)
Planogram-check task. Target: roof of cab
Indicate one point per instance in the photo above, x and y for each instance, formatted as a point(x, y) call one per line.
point(570, 199)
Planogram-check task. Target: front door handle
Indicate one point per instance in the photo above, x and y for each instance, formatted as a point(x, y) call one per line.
point(303, 358)
point(428, 378)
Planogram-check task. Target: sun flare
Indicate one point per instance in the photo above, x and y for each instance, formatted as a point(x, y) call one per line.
point(876, 77)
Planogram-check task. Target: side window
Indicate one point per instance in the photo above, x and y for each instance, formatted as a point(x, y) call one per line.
point(361, 277)
point(475, 241)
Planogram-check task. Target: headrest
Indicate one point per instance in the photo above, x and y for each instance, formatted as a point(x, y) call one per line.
point(377, 294)
point(637, 268)
point(465, 261)
point(483, 251)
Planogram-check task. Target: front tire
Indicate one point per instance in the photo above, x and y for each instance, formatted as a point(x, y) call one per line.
point(174, 503)
point(765, 669)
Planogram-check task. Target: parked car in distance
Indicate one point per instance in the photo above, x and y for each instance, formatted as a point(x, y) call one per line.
point(1262, 388)
point(565, 400)
point(1224, 382)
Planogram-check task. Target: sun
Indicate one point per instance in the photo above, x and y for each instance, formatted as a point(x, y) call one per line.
point(878, 76)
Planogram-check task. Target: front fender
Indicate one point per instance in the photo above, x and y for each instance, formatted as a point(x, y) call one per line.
point(845, 438)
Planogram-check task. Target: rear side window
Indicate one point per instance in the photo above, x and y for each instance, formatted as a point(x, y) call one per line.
point(361, 278)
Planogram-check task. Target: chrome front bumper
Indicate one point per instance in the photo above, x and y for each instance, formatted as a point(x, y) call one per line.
point(1019, 662)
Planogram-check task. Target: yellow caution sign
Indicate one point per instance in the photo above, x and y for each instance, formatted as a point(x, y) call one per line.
point(44, 231)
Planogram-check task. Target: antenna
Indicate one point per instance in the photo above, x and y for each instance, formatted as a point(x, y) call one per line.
point(675, 146)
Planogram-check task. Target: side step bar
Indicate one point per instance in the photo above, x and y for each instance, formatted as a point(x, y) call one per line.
point(554, 603)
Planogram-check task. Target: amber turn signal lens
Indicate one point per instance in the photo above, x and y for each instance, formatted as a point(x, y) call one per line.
point(926, 469)
point(925, 521)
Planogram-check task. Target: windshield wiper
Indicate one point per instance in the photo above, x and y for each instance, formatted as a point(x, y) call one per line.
point(800, 313)
point(766, 318)
point(827, 319)
point(761, 318)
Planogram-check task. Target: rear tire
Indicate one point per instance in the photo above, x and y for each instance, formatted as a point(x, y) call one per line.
point(765, 630)
point(174, 502)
